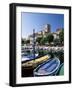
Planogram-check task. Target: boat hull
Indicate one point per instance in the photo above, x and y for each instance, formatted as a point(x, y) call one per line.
point(47, 68)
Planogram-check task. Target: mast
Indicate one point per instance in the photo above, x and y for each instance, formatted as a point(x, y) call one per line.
point(34, 43)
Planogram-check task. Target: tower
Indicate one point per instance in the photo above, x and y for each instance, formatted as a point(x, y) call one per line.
point(47, 28)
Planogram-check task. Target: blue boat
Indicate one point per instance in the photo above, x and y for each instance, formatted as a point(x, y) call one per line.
point(47, 68)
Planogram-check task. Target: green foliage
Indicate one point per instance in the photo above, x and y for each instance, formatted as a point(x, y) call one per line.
point(23, 41)
point(49, 38)
point(61, 36)
point(56, 42)
point(43, 41)
point(27, 41)
point(38, 39)
point(41, 52)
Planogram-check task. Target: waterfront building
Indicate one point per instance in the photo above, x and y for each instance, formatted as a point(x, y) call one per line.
point(42, 33)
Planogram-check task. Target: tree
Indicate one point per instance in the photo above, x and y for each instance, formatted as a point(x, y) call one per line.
point(61, 36)
point(43, 40)
point(38, 39)
point(56, 41)
point(49, 38)
point(27, 41)
point(23, 41)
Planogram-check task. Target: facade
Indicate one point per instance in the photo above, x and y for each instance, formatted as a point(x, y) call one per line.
point(44, 32)
point(47, 28)
point(59, 30)
point(56, 35)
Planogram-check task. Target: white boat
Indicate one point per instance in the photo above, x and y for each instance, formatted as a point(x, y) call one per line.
point(28, 57)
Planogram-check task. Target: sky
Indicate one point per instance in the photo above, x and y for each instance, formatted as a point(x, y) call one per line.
point(30, 21)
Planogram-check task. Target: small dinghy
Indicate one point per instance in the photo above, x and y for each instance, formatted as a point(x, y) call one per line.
point(47, 68)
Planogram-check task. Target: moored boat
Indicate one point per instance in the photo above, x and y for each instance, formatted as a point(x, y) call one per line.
point(28, 57)
point(47, 68)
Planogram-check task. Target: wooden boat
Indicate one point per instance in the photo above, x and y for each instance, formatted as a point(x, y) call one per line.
point(28, 67)
point(36, 61)
point(47, 68)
